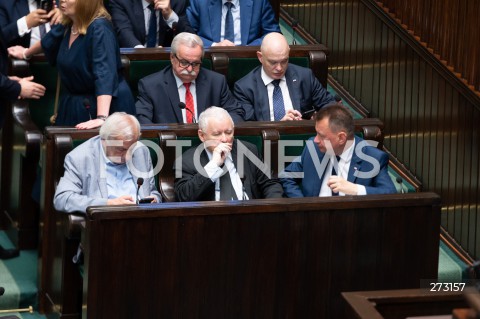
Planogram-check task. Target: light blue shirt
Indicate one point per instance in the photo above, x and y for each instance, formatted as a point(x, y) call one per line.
point(119, 180)
point(236, 21)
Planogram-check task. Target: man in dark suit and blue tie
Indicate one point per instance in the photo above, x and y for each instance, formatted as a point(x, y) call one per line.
point(232, 22)
point(148, 23)
point(183, 90)
point(336, 162)
point(278, 90)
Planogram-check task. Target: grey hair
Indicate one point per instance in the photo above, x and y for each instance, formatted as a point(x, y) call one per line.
point(120, 125)
point(212, 112)
point(188, 39)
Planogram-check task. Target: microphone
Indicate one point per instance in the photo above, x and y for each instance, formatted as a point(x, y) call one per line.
point(337, 98)
point(184, 107)
point(86, 103)
point(400, 182)
point(2, 291)
point(174, 27)
point(139, 184)
point(294, 28)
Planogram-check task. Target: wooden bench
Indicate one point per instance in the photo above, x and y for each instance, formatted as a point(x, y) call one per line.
point(261, 258)
point(31, 117)
point(58, 241)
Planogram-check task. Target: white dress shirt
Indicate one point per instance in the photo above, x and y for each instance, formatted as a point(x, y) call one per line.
point(342, 171)
point(181, 94)
point(146, 14)
point(214, 172)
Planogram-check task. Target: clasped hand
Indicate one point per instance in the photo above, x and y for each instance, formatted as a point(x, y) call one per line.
point(338, 184)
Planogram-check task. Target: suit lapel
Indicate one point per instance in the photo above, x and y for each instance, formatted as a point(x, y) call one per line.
point(172, 90)
point(246, 7)
point(98, 158)
point(140, 18)
point(215, 15)
point(293, 85)
point(201, 89)
point(262, 108)
point(355, 165)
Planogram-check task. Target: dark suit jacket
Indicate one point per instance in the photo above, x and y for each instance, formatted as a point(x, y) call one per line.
point(194, 186)
point(158, 97)
point(361, 163)
point(129, 23)
point(304, 89)
point(256, 20)
point(10, 12)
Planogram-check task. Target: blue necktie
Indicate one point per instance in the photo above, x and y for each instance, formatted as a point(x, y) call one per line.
point(278, 105)
point(334, 172)
point(229, 33)
point(152, 28)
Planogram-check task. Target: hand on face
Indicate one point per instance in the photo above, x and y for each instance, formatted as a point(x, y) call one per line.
point(220, 153)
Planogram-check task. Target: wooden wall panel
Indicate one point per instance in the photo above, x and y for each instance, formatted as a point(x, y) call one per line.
point(431, 118)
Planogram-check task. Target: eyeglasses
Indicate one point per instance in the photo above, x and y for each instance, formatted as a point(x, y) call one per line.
point(185, 64)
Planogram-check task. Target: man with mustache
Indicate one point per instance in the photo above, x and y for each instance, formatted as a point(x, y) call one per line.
point(183, 90)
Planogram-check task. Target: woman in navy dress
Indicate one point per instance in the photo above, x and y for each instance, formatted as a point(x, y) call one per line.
point(85, 49)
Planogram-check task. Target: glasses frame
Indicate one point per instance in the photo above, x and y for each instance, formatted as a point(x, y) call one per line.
point(184, 64)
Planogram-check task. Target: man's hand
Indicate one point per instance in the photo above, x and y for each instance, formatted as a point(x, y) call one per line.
point(16, 52)
point(122, 200)
point(31, 90)
point(224, 43)
point(338, 184)
point(36, 18)
point(292, 115)
point(164, 6)
point(220, 153)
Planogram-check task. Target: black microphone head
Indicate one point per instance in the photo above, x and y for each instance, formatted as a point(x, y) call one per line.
point(182, 105)
point(86, 102)
point(399, 180)
point(337, 97)
point(2, 291)
point(140, 181)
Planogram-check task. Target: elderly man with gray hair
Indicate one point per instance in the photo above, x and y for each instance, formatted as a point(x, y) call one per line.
point(222, 168)
point(113, 168)
point(183, 90)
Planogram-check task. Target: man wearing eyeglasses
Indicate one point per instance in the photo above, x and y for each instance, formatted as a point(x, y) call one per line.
point(278, 90)
point(183, 90)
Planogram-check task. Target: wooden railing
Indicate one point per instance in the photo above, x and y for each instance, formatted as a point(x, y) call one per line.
point(431, 117)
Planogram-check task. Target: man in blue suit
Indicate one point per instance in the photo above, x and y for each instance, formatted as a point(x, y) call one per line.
point(299, 91)
point(339, 163)
point(183, 90)
point(131, 20)
point(232, 22)
point(23, 23)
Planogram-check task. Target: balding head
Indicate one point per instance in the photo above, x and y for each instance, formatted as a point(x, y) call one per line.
point(274, 54)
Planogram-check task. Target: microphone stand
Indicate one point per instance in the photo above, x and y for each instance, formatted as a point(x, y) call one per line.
point(139, 184)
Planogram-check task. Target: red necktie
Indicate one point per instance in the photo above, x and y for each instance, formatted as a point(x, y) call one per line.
point(190, 108)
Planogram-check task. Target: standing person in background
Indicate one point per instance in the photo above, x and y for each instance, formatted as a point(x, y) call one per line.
point(85, 49)
point(23, 22)
point(148, 23)
point(232, 22)
point(278, 90)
